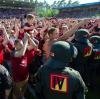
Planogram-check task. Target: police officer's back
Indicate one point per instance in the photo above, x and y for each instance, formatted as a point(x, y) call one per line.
point(5, 83)
point(95, 40)
point(57, 81)
point(95, 62)
point(84, 47)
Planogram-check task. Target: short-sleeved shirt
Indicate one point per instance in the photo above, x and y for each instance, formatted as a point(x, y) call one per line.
point(19, 68)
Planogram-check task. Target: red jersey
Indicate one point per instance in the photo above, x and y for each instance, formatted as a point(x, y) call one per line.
point(21, 35)
point(19, 68)
point(30, 55)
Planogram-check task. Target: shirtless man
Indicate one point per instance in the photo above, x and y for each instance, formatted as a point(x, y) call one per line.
point(53, 36)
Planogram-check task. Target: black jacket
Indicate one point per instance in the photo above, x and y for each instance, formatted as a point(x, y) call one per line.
point(59, 82)
point(5, 81)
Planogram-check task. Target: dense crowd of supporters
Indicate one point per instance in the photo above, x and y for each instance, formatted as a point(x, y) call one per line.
point(11, 13)
point(25, 46)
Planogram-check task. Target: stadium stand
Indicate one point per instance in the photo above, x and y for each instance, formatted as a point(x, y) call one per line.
point(12, 8)
point(88, 10)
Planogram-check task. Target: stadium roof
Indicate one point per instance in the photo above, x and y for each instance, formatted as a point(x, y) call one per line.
point(77, 6)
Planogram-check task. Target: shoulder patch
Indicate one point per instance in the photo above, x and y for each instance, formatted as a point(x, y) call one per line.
point(59, 83)
point(87, 51)
point(97, 55)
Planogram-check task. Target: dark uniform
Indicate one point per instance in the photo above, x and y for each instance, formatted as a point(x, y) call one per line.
point(5, 81)
point(84, 48)
point(95, 62)
point(57, 81)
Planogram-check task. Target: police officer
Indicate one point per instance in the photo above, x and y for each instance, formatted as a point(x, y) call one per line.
point(55, 80)
point(84, 47)
point(95, 62)
point(5, 83)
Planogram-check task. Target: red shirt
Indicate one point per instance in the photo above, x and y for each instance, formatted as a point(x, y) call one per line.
point(8, 49)
point(41, 42)
point(21, 35)
point(19, 68)
point(30, 55)
point(28, 30)
point(1, 54)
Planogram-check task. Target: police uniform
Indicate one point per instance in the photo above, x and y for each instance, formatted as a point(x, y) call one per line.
point(95, 62)
point(5, 81)
point(84, 47)
point(57, 81)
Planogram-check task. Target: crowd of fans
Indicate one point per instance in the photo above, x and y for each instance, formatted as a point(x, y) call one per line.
point(86, 12)
point(11, 13)
point(25, 45)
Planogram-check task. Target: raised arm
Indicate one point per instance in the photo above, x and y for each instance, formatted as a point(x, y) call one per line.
point(72, 30)
point(29, 28)
point(16, 28)
point(33, 44)
point(23, 49)
point(6, 36)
